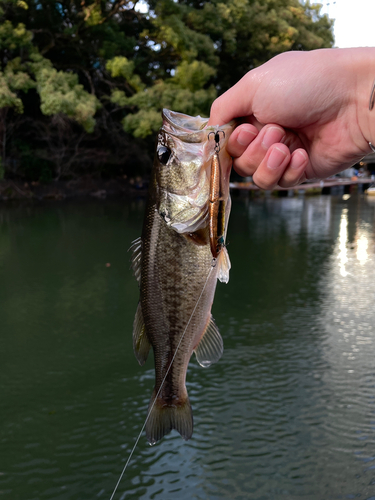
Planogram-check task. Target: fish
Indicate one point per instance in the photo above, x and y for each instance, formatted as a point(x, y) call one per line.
point(178, 260)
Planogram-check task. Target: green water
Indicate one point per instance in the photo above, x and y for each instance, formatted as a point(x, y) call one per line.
point(287, 413)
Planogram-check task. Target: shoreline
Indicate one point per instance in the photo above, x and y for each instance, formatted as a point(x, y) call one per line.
point(87, 187)
point(84, 187)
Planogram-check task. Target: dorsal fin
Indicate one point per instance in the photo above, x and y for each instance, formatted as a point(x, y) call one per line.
point(136, 249)
point(141, 344)
point(210, 347)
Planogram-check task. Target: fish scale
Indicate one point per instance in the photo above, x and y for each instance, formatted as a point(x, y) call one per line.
point(174, 269)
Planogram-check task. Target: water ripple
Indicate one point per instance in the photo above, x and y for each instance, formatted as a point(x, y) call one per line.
point(287, 413)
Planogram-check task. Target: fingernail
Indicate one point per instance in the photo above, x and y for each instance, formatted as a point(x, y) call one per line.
point(273, 135)
point(245, 137)
point(298, 160)
point(276, 158)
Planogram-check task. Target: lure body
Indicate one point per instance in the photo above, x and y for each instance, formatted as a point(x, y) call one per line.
point(216, 208)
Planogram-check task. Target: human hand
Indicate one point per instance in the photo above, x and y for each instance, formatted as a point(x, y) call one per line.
point(305, 115)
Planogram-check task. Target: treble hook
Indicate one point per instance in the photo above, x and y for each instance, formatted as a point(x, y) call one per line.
point(217, 139)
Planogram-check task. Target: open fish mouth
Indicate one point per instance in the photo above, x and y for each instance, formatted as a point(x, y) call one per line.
point(187, 128)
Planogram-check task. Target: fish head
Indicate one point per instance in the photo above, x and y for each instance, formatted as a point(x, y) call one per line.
point(182, 167)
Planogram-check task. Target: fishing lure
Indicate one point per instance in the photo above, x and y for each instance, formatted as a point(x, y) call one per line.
point(216, 199)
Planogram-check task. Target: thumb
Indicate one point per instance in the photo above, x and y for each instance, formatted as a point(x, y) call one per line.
point(234, 103)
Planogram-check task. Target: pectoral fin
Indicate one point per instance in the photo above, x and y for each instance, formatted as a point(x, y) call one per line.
point(141, 344)
point(136, 249)
point(210, 347)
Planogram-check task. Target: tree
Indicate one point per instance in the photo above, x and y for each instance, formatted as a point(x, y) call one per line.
point(24, 68)
point(13, 78)
point(83, 82)
point(203, 48)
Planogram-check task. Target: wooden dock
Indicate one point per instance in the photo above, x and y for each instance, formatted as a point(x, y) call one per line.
point(324, 185)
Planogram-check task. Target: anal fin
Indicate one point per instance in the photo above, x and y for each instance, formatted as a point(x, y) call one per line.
point(210, 348)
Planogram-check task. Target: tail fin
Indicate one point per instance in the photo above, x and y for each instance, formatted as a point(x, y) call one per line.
point(163, 418)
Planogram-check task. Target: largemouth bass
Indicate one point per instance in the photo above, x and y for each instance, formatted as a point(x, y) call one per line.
point(178, 260)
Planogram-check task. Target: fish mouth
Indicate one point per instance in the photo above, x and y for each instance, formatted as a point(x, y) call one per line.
point(184, 127)
point(183, 122)
point(191, 129)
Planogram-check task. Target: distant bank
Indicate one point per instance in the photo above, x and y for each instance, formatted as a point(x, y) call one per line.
point(87, 187)
point(316, 187)
point(84, 187)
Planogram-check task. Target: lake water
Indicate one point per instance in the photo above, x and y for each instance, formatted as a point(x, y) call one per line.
point(287, 413)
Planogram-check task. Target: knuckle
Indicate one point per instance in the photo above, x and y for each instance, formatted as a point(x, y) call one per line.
point(287, 184)
point(215, 108)
point(287, 181)
point(245, 166)
point(263, 183)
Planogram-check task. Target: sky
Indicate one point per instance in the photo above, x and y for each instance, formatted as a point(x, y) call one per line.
point(354, 21)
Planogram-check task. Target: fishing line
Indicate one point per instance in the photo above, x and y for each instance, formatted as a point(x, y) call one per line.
point(213, 264)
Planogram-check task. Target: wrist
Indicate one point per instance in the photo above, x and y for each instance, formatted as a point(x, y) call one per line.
point(364, 68)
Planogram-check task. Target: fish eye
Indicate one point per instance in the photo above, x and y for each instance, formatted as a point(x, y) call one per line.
point(164, 154)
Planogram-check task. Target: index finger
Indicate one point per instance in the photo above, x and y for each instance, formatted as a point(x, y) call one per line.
point(234, 103)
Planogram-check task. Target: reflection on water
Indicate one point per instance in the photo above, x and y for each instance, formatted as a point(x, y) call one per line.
point(288, 412)
point(343, 236)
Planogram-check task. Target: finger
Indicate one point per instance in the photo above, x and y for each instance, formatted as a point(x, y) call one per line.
point(254, 154)
point(240, 139)
point(234, 103)
point(295, 172)
point(272, 167)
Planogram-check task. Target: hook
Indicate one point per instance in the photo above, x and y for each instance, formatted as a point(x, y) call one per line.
point(216, 139)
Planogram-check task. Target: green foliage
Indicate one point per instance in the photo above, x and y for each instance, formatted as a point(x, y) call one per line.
point(193, 76)
point(120, 66)
point(201, 51)
point(60, 92)
point(103, 68)
point(12, 80)
point(163, 95)
point(13, 76)
point(8, 98)
point(183, 92)
point(12, 38)
point(93, 15)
